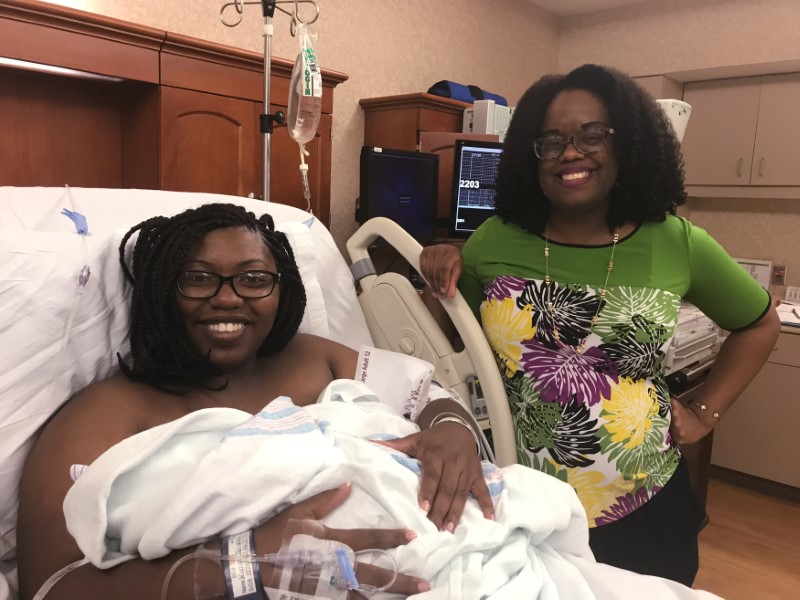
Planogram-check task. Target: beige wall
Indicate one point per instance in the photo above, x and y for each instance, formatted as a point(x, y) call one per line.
point(682, 35)
point(691, 39)
point(386, 47)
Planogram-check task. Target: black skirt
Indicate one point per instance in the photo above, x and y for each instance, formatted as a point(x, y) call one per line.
point(659, 538)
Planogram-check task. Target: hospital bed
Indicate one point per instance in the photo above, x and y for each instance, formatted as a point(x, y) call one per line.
point(57, 336)
point(64, 309)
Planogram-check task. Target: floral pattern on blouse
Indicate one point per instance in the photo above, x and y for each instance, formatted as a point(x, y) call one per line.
point(590, 405)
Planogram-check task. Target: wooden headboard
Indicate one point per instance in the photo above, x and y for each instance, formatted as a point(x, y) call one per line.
point(168, 112)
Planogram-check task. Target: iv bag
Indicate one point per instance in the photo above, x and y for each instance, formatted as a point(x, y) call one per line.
point(305, 91)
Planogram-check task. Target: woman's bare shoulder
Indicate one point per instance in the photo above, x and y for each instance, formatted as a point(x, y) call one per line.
point(104, 413)
point(314, 345)
point(312, 341)
point(117, 393)
point(94, 420)
point(307, 365)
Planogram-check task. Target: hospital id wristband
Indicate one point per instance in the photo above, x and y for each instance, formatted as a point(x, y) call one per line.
point(241, 572)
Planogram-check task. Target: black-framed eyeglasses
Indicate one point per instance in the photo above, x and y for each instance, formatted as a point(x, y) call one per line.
point(200, 285)
point(586, 141)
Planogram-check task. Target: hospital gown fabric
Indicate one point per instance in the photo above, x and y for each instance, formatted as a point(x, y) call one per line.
point(179, 483)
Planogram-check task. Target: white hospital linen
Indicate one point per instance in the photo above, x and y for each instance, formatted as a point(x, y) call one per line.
point(224, 470)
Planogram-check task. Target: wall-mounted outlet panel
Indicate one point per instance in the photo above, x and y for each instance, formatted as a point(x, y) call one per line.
point(793, 294)
point(761, 270)
point(778, 274)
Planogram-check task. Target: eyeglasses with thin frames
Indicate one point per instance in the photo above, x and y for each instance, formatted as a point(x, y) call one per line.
point(586, 141)
point(200, 285)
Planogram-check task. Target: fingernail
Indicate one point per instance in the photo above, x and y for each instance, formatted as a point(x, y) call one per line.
point(425, 506)
point(424, 586)
point(450, 527)
point(411, 534)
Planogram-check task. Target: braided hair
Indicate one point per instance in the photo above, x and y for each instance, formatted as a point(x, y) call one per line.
point(162, 353)
point(650, 181)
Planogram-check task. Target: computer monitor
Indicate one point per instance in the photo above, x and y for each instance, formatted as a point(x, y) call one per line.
point(474, 173)
point(401, 186)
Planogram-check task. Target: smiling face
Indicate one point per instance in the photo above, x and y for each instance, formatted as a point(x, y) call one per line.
point(576, 183)
point(230, 327)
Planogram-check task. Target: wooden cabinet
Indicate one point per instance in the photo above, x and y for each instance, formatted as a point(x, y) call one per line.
point(758, 435)
point(207, 143)
point(396, 121)
point(741, 130)
point(173, 112)
point(97, 128)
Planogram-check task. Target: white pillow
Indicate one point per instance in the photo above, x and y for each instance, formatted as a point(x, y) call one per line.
point(43, 363)
point(40, 259)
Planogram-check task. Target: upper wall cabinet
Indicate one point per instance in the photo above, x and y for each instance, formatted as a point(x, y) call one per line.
point(775, 157)
point(740, 131)
point(207, 143)
point(211, 100)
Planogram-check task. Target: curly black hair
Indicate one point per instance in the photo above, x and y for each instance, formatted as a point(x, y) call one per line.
point(650, 181)
point(162, 354)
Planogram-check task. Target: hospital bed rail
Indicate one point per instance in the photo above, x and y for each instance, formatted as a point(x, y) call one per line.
point(399, 320)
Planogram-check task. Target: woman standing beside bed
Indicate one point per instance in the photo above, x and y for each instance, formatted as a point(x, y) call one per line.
point(577, 282)
point(217, 300)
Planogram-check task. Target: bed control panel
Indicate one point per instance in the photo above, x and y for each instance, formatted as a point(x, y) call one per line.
point(476, 400)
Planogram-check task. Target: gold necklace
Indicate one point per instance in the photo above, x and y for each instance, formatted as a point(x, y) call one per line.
point(549, 284)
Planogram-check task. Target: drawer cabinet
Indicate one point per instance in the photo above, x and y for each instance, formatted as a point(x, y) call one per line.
point(758, 435)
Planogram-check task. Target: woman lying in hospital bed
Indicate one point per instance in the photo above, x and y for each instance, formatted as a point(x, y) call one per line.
point(175, 469)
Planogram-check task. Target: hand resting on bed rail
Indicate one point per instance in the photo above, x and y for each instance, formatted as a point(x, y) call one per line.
point(217, 300)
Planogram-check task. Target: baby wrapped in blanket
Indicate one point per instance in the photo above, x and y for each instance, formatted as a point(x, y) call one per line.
point(224, 470)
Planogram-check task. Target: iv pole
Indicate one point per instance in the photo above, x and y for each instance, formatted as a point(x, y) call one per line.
point(268, 120)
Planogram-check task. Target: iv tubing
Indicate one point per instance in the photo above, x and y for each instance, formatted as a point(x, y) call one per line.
point(292, 559)
point(304, 175)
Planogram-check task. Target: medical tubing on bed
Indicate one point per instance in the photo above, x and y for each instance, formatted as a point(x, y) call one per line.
point(336, 563)
point(82, 228)
point(58, 576)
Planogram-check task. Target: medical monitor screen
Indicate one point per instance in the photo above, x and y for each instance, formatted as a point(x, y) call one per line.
point(401, 186)
point(474, 173)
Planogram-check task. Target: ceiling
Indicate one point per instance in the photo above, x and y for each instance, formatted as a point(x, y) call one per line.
point(566, 8)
